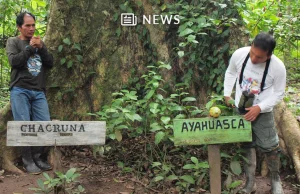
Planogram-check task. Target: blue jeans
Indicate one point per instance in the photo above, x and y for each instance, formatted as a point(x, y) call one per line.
point(29, 105)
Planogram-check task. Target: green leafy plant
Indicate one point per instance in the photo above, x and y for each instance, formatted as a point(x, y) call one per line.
point(202, 40)
point(153, 112)
point(198, 171)
point(66, 183)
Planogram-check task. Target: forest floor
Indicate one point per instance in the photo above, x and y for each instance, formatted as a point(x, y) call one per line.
point(102, 176)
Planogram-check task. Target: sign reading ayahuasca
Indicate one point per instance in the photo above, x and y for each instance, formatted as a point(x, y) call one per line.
point(226, 129)
point(49, 133)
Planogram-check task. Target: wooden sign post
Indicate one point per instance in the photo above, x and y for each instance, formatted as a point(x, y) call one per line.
point(58, 133)
point(213, 131)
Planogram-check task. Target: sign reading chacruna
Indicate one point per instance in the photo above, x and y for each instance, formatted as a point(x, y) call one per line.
point(49, 133)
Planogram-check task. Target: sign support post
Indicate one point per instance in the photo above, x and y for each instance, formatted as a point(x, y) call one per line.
point(214, 160)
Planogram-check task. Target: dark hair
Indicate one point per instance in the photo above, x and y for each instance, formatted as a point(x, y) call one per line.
point(20, 18)
point(265, 42)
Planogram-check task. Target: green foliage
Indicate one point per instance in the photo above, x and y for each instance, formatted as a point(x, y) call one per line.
point(202, 42)
point(66, 183)
point(4, 97)
point(151, 112)
point(280, 18)
point(70, 53)
point(195, 174)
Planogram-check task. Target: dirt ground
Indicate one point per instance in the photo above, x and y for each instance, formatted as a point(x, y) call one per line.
point(99, 176)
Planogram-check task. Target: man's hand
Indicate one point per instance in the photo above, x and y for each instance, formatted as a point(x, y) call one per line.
point(36, 42)
point(229, 101)
point(252, 113)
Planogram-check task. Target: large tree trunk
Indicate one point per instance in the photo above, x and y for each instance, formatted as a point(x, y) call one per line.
point(289, 133)
point(108, 60)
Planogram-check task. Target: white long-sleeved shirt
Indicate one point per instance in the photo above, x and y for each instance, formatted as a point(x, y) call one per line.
point(275, 83)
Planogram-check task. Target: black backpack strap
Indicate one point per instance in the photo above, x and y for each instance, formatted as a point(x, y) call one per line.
point(243, 68)
point(265, 75)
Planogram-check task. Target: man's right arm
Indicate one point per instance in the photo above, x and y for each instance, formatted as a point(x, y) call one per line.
point(16, 58)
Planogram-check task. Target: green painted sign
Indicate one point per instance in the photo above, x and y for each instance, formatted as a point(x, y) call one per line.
point(226, 129)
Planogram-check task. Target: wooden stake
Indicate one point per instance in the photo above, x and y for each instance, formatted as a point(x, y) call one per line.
point(214, 160)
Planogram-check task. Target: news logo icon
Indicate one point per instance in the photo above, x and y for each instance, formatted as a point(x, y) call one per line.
point(128, 19)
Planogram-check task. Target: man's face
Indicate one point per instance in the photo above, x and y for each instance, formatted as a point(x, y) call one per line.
point(28, 28)
point(258, 55)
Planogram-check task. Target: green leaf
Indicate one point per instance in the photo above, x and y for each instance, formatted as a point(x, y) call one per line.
point(131, 95)
point(118, 32)
point(155, 164)
point(123, 7)
point(120, 164)
point(41, 183)
point(224, 48)
point(80, 188)
point(172, 177)
point(209, 104)
point(46, 176)
point(60, 47)
point(188, 179)
point(189, 166)
point(158, 178)
point(70, 172)
point(67, 41)
point(189, 99)
point(165, 119)
point(186, 32)
point(163, 65)
point(155, 127)
point(195, 160)
point(228, 181)
point(204, 165)
point(79, 58)
point(149, 94)
point(159, 136)
point(180, 116)
point(235, 184)
point(180, 53)
point(137, 117)
point(222, 5)
point(62, 61)
point(191, 38)
point(118, 135)
point(235, 167)
point(70, 64)
point(224, 155)
point(77, 46)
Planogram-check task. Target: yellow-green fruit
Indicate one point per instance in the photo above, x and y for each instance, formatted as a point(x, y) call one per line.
point(214, 112)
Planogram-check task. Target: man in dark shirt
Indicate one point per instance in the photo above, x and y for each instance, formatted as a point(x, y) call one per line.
point(29, 60)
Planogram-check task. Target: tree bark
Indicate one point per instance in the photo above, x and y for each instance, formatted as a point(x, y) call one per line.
point(289, 132)
point(8, 155)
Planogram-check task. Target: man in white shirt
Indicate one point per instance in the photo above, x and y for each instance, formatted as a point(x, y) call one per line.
point(260, 79)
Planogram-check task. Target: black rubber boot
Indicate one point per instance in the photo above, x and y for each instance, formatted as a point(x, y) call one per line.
point(249, 167)
point(273, 165)
point(42, 164)
point(28, 163)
